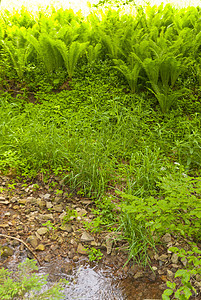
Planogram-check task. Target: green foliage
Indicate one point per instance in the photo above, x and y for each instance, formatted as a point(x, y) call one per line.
point(94, 254)
point(25, 284)
point(193, 268)
point(176, 211)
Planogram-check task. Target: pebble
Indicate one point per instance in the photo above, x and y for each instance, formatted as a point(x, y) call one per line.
point(42, 230)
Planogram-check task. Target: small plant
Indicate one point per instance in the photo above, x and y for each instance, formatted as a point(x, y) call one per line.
point(94, 254)
point(59, 192)
point(25, 284)
point(70, 215)
point(193, 267)
point(35, 187)
point(50, 226)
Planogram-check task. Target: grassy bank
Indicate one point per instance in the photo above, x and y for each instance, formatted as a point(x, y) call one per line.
point(111, 104)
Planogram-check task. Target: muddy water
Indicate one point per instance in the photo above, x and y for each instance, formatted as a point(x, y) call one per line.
point(92, 281)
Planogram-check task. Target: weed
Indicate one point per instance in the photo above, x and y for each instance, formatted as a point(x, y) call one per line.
point(94, 254)
point(193, 268)
point(27, 285)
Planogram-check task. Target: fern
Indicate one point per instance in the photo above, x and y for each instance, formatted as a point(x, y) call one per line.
point(131, 72)
point(93, 52)
point(71, 54)
point(18, 49)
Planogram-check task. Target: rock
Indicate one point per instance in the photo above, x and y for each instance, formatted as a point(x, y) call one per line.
point(45, 217)
point(2, 198)
point(86, 237)
point(58, 208)
point(152, 277)
point(184, 261)
point(109, 243)
point(62, 215)
point(7, 214)
point(40, 247)
point(46, 196)
point(154, 268)
point(163, 258)
point(198, 277)
point(41, 203)
point(174, 258)
point(22, 201)
point(47, 258)
point(81, 212)
point(4, 225)
point(75, 258)
point(66, 227)
point(60, 240)
point(139, 274)
point(48, 204)
point(6, 251)
point(33, 241)
point(42, 230)
point(81, 249)
point(166, 238)
point(170, 275)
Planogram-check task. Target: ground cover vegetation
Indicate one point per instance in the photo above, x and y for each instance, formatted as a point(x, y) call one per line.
point(111, 103)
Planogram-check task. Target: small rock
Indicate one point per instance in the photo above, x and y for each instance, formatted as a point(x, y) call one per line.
point(152, 277)
point(163, 258)
point(139, 274)
point(174, 258)
point(46, 196)
point(170, 275)
point(40, 247)
point(2, 198)
point(58, 208)
point(86, 237)
point(7, 214)
point(82, 212)
point(154, 268)
point(45, 217)
point(109, 243)
point(4, 225)
point(81, 249)
point(66, 227)
point(184, 261)
point(22, 201)
point(6, 251)
point(198, 277)
point(49, 204)
point(166, 238)
point(33, 241)
point(42, 230)
point(47, 258)
point(41, 203)
point(75, 258)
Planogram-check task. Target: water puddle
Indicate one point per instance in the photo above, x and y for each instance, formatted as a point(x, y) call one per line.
point(93, 281)
point(87, 282)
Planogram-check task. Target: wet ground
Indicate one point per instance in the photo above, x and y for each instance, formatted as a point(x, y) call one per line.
point(60, 248)
point(91, 281)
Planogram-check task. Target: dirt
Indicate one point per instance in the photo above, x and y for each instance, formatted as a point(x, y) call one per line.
point(25, 206)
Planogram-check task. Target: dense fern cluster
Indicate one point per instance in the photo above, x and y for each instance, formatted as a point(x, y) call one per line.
point(152, 47)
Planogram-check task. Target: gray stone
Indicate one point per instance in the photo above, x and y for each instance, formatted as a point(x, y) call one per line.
point(46, 196)
point(66, 227)
point(42, 230)
point(49, 204)
point(170, 275)
point(58, 208)
point(33, 241)
point(166, 238)
point(86, 237)
point(163, 257)
point(139, 274)
point(81, 249)
point(81, 212)
point(174, 258)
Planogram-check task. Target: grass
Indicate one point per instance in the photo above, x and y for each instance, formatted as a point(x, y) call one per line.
point(101, 138)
